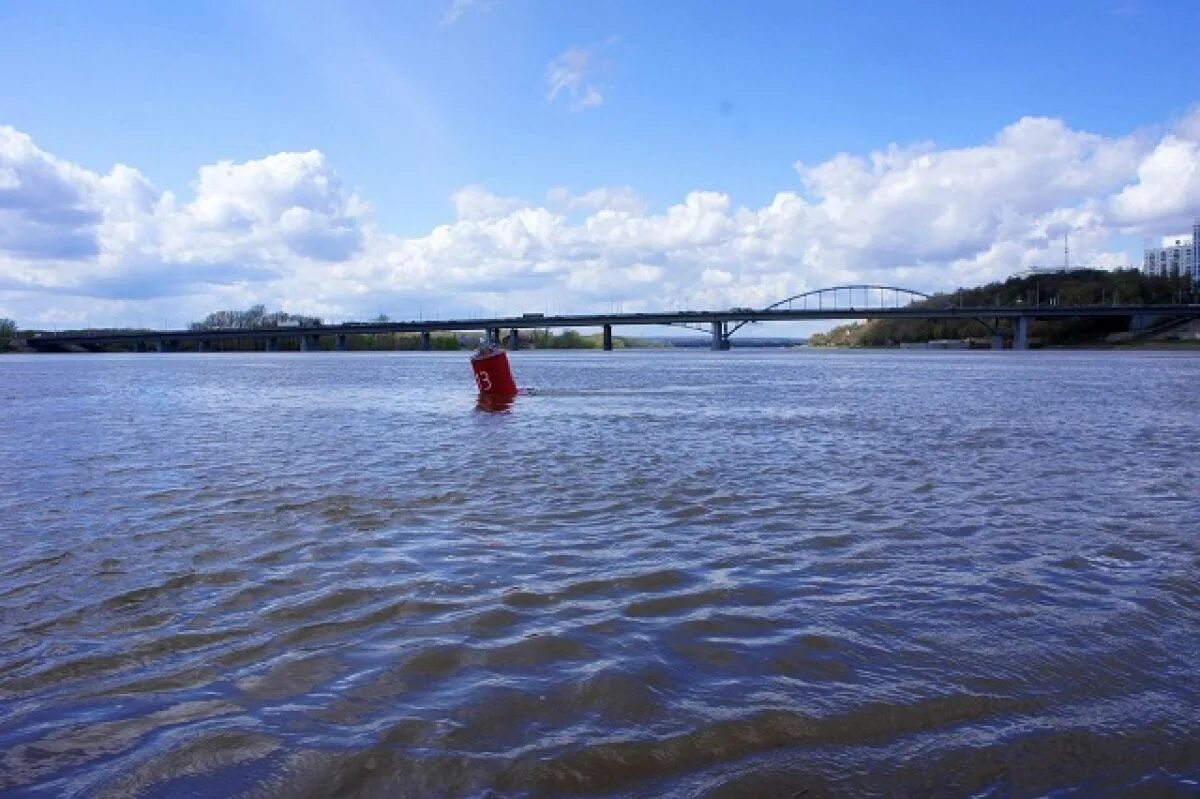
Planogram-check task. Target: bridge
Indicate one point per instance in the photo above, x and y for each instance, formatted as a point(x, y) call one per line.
point(857, 302)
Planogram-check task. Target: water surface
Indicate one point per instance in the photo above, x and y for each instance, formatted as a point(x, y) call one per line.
point(665, 574)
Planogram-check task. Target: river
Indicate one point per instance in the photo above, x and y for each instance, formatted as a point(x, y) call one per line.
point(786, 573)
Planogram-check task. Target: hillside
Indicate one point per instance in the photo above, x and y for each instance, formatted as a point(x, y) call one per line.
point(1077, 287)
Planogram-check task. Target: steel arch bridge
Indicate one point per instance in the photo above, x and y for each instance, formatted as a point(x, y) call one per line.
point(873, 296)
point(850, 297)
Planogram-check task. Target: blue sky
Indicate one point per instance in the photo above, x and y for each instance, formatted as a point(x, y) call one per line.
point(408, 103)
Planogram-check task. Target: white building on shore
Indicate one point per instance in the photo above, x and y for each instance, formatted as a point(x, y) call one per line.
point(1178, 256)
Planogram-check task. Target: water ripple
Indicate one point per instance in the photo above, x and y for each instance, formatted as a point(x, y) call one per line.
point(743, 574)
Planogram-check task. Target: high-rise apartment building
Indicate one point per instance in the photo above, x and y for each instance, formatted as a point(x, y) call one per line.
point(1177, 257)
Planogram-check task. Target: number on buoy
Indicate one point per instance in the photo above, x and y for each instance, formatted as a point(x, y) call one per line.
point(492, 372)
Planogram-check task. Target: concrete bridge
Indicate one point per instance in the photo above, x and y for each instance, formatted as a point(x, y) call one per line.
point(1006, 323)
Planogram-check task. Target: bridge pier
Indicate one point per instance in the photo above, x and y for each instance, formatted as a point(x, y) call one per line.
point(997, 342)
point(341, 342)
point(310, 342)
point(1141, 321)
point(608, 338)
point(272, 344)
point(203, 345)
point(162, 345)
point(514, 340)
point(139, 346)
point(720, 340)
point(492, 334)
point(426, 341)
point(1021, 333)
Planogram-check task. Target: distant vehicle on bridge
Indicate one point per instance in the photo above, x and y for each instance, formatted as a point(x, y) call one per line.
point(533, 316)
point(286, 323)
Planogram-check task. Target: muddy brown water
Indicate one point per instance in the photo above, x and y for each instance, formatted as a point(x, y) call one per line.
point(663, 574)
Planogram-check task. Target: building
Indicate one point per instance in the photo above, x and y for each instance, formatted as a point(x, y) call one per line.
point(1178, 256)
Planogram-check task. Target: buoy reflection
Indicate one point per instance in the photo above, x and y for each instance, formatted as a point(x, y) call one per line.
point(491, 403)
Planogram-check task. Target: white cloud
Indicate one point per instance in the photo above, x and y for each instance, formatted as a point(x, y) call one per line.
point(604, 198)
point(476, 202)
point(571, 77)
point(592, 98)
point(716, 277)
point(1168, 183)
point(282, 230)
point(285, 205)
point(48, 207)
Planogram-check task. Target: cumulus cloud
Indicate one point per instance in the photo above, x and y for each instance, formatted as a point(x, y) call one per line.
point(67, 229)
point(283, 230)
point(610, 198)
point(289, 204)
point(921, 204)
point(48, 208)
point(1168, 184)
point(476, 202)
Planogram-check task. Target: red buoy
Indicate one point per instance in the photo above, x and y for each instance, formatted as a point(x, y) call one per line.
point(492, 373)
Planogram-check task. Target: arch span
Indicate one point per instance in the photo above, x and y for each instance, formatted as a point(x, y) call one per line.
point(872, 295)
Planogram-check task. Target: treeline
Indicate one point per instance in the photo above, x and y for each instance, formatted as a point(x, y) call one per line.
point(257, 318)
point(254, 318)
point(574, 340)
point(1078, 287)
point(8, 331)
point(383, 342)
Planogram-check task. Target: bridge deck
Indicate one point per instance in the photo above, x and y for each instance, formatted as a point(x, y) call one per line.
point(625, 319)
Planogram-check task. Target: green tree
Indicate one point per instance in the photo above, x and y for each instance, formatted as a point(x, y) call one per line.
point(256, 317)
point(8, 329)
point(1078, 287)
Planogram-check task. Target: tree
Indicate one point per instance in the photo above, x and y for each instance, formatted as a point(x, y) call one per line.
point(1077, 287)
point(8, 329)
point(254, 318)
